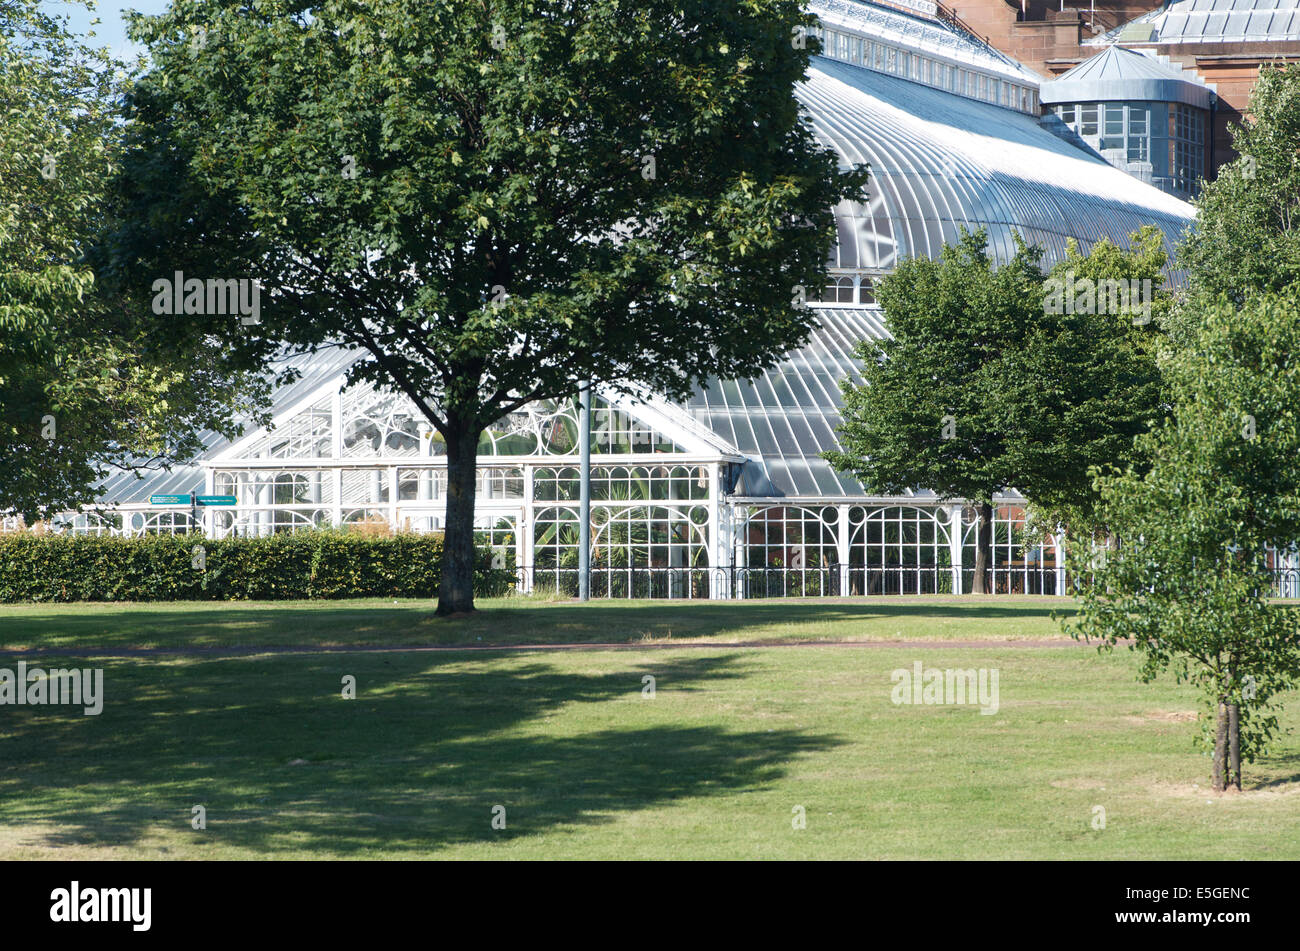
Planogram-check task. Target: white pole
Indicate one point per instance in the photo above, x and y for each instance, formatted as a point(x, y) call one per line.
point(584, 496)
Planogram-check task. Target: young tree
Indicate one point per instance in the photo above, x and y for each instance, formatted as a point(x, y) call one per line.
point(931, 412)
point(84, 383)
point(1190, 580)
point(494, 202)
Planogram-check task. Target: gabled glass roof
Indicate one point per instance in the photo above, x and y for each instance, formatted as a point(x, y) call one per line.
point(123, 487)
point(921, 32)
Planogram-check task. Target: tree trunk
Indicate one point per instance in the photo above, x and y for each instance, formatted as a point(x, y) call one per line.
point(456, 586)
point(983, 546)
point(1234, 746)
point(1219, 777)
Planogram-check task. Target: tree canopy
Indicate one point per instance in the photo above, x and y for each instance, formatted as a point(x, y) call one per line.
point(1247, 234)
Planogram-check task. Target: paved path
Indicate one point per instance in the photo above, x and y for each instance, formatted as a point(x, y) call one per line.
point(244, 651)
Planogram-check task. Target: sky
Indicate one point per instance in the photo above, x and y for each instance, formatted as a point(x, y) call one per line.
point(111, 32)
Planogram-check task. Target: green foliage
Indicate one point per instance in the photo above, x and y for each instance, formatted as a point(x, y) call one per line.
point(1247, 234)
point(1189, 582)
point(1087, 383)
point(85, 381)
point(931, 412)
point(316, 564)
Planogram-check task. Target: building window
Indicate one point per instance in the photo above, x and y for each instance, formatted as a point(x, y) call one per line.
point(839, 291)
point(899, 550)
point(786, 537)
point(1088, 120)
point(1113, 127)
point(1139, 135)
point(1187, 132)
point(867, 291)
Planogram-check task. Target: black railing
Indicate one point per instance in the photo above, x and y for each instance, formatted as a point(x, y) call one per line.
point(671, 583)
point(784, 582)
point(900, 579)
point(1014, 580)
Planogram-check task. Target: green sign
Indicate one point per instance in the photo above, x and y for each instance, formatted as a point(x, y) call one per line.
point(170, 500)
point(215, 499)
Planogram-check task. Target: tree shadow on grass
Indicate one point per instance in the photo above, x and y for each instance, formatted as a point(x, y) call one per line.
point(413, 765)
point(1288, 763)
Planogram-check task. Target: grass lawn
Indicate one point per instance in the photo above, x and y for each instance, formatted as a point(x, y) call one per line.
point(529, 621)
point(712, 766)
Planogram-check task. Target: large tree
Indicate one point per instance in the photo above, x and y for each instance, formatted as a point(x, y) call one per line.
point(1192, 574)
point(85, 383)
point(1191, 578)
point(493, 202)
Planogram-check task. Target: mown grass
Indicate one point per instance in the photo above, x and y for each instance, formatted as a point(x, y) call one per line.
point(526, 621)
point(588, 767)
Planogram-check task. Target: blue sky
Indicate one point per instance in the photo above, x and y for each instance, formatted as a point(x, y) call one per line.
point(112, 31)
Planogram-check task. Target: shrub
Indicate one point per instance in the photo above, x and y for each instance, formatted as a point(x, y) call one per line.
point(317, 564)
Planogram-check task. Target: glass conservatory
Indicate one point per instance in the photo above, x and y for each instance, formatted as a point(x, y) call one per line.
point(725, 494)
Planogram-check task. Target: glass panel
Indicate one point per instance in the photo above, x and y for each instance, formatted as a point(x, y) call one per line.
point(1114, 119)
point(1088, 120)
point(309, 434)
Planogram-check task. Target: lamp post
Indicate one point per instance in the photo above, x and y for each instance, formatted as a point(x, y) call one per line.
point(584, 493)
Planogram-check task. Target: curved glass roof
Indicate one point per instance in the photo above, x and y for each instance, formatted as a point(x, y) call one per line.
point(939, 161)
point(785, 418)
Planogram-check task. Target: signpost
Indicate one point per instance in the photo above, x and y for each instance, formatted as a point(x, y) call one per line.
point(193, 501)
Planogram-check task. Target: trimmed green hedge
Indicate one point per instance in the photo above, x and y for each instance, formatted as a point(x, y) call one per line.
point(314, 564)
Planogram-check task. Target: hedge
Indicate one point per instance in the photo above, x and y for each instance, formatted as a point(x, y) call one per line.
point(312, 564)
